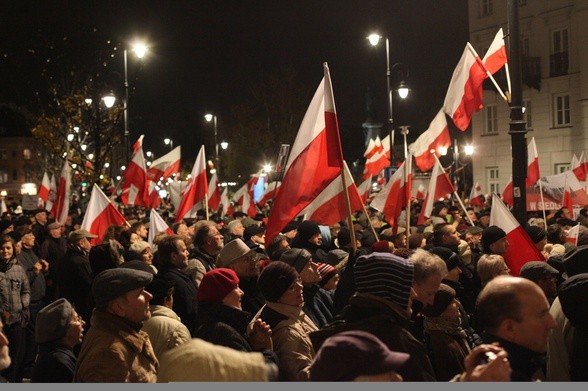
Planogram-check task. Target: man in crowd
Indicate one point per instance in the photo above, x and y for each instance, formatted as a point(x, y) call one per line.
point(208, 243)
point(115, 350)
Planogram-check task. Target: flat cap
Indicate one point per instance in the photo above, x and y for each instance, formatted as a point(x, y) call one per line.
point(52, 321)
point(79, 234)
point(537, 270)
point(113, 283)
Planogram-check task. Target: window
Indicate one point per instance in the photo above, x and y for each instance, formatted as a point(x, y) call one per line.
point(486, 7)
point(560, 168)
point(26, 153)
point(3, 154)
point(492, 179)
point(3, 176)
point(559, 61)
point(528, 114)
point(490, 119)
point(525, 45)
point(28, 176)
point(561, 110)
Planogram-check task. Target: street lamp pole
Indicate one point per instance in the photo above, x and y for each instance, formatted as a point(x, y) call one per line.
point(125, 108)
point(212, 117)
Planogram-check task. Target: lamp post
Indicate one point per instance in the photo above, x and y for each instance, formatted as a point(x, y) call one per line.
point(212, 117)
point(170, 142)
point(403, 90)
point(140, 50)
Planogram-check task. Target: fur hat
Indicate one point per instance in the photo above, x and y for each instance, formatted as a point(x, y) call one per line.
point(216, 284)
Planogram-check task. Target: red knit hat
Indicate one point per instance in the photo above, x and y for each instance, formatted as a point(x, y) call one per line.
point(327, 272)
point(216, 284)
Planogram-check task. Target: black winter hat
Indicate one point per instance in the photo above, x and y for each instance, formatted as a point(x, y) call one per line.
point(573, 296)
point(275, 279)
point(491, 235)
point(536, 233)
point(450, 258)
point(307, 229)
point(444, 296)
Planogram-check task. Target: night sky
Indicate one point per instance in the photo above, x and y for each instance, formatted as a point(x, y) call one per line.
point(206, 55)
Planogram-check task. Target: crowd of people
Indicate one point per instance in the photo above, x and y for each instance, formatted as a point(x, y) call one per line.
point(215, 302)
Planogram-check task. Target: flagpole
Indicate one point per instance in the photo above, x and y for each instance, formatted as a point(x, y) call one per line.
point(206, 203)
point(407, 174)
point(543, 201)
point(344, 170)
point(455, 194)
point(369, 220)
point(479, 61)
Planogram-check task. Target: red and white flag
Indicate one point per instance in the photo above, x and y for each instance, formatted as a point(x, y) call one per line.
point(100, 214)
point(166, 166)
point(533, 174)
point(45, 188)
point(134, 181)
point(315, 160)
point(567, 197)
point(156, 226)
point(495, 57)
point(420, 194)
point(151, 196)
point(439, 186)
point(464, 94)
point(52, 194)
point(380, 160)
point(196, 189)
point(61, 206)
point(394, 196)
point(435, 139)
point(225, 202)
point(580, 167)
point(521, 248)
point(364, 189)
point(138, 144)
point(476, 196)
point(330, 206)
point(572, 235)
point(214, 193)
point(371, 148)
point(269, 193)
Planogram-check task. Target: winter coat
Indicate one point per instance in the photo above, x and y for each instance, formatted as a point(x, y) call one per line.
point(290, 335)
point(165, 329)
point(185, 303)
point(559, 345)
point(318, 305)
point(74, 278)
point(55, 364)
point(114, 351)
point(27, 259)
point(15, 292)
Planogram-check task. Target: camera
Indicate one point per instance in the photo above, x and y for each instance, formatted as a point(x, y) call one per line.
point(487, 357)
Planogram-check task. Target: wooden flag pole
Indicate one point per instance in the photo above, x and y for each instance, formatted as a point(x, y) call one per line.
point(206, 203)
point(456, 195)
point(344, 170)
point(479, 61)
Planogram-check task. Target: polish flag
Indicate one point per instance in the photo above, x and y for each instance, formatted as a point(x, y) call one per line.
point(100, 214)
point(196, 189)
point(134, 178)
point(579, 167)
point(330, 206)
point(439, 186)
point(436, 138)
point(166, 166)
point(380, 160)
point(572, 235)
point(364, 189)
point(214, 194)
point(61, 206)
point(475, 196)
point(464, 94)
point(315, 159)
point(371, 148)
point(269, 193)
point(45, 188)
point(420, 192)
point(240, 193)
point(532, 172)
point(225, 202)
point(567, 197)
point(394, 196)
point(248, 206)
point(244, 196)
point(521, 248)
point(52, 194)
point(138, 144)
point(495, 57)
point(156, 226)
point(151, 196)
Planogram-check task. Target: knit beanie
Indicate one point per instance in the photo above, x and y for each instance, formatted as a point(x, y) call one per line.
point(343, 237)
point(307, 229)
point(296, 257)
point(275, 279)
point(536, 233)
point(327, 272)
point(450, 258)
point(385, 275)
point(444, 296)
point(491, 235)
point(216, 284)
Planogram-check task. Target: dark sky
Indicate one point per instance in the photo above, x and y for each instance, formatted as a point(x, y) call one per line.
point(207, 54)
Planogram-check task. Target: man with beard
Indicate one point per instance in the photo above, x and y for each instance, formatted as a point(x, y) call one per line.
point(115, 350)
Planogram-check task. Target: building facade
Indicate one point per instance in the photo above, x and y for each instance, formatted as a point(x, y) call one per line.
point(554, 53)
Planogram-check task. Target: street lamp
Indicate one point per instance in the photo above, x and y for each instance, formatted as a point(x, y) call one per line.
point(212, 117)
point(170, 142)
point(403, 90)
point(140, 49)
point(224, 145)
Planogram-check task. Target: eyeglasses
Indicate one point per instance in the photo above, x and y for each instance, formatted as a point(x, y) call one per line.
point(78, 319)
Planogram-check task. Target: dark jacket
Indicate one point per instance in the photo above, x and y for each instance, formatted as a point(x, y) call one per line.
point(526, 364)
point(27, 259)
point(318, 305)
point(253, 300)
point(185, 304)
point(386, 321)
point(74, 278)
point(55, 364)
